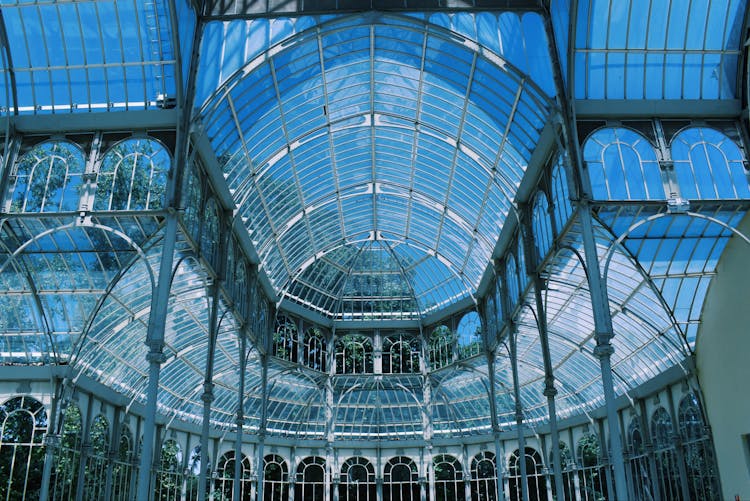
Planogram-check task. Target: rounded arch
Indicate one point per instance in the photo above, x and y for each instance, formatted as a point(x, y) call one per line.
point(469, 334)
point(169, 474)
point(592, 467)
point(48, 178)
point(536, 482)
point(441, 343)
point(541, 225)
point(315, 349)
point(484, 476)
point(211, 228)
point(354, 354)
point(132, 175)
point(563, 210)
point(67, 463)
point(224, 482)
point(401, 354)
point(622, 165)
point(285, 338)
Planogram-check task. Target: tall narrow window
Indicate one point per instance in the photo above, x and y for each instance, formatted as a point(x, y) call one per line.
point(591, 468)
point(97, 459)
point(275, 479)
point(484, 477)
point(567, 470)
point(542, 226)
point(311, 479)
point(638, 461)
point(667, 468)
point(697, 450)
point(441, 346)
point(23, 422)
point(357, 480)
point(68, 457)
point(449, 479)
point(536, 482)
point(314, 353)
point(121, 470)
point(285, 339)
point(560, 195)
point(169, 475)
point(469, 335)
point(48, 178)
point(224, 483)
point(400, 480)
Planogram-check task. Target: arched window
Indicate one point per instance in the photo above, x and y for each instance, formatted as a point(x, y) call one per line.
point(441, 347)
point(535, 479)
point(400, 480)
point(192, 201)
point(23, 423)
point(541, 225)
point(241, 288)
point(354, 355)
point(225, 477)
point(591, 468)
point(68, 456)
point(357, 480)
point(484, 477)
point(469, 335)
point(708, 165)
point(169, 475)
point(275, 479)
point(622, 165)
point(697, 449)
point(449, 479)
point(311, 479)
point(560, 195)
point(133, 176)
point(314, 353)
point(97, 460)
point(638, 460)
point(667, 468)
point(48, 178)
point(210, 234)
point(490, 314)
point(122, 466)
point(401, 354)
point(523, 276)
point(566, 468)
point(511, 279)
point(285, 339)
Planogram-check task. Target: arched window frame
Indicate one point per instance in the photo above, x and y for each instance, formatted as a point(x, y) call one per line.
point(67, 461)
point(396, 485)
point(97, 458)
point(132, 175)
point(170, 475)
point(210, 233)
point(442, 341)
point(484, 477)
point(23, 424)
point(122, 467)
point(541, 225)
point(224, 482)
point(708, 165)
point(622, 165)
point(48, 178)
point(449, 478)
point(535, 478)
point(357, 481)
point(563, 209)
point(354, 354)
point(469, 334)
point(315, 350)
point(511, 280)
point(311, 479)
point(275, 478)
point(401, 354)
point(592, 466)
point(285, 342)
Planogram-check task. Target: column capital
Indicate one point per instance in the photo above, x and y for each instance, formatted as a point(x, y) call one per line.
point(604, 350)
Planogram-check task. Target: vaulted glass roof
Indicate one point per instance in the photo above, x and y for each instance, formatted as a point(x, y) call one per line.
point(376, 128)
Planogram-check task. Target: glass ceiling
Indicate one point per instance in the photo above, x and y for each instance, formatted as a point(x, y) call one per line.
point(375, 128)
point(373, 160)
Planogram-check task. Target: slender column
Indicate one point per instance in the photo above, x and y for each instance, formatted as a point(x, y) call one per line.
point(237, 487)
point(51, 440)
point(262, 428)
point(155, 357)
point(519, 416)
point(541, 320)
point(604, 349)
point(499, 461)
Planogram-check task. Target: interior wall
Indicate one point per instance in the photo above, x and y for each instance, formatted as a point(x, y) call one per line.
point(723, 365)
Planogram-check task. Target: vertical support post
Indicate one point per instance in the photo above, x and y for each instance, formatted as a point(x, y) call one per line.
point(238, 477)
point(604, 349)
point(155, 356)
point(495, 425)
point(262, 427)
point(519, 414)
point(541, 320)
point(51, 440)
point(134, 461)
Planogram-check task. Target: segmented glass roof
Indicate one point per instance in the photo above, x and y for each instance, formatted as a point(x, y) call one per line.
point(375, 128)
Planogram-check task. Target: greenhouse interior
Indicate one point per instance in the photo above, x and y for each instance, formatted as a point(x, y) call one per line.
point(374, 250)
